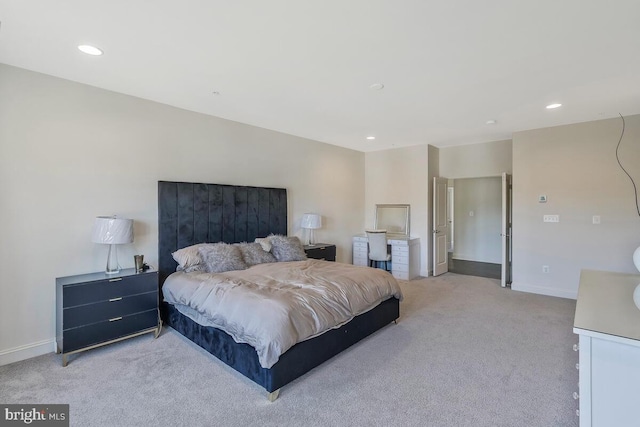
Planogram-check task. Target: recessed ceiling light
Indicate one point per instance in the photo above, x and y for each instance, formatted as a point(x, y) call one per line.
point(552, 106)
point(371, 138)
point(90, 50)
point(376, 86)
point(215, 93)
point(491, 122)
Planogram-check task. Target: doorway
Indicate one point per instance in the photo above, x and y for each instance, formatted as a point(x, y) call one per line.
point(476, 221)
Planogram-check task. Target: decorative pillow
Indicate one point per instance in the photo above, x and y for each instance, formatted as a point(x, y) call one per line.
point(253, 254)
point(265, 243)
point(221, 257)
point(189, 258)
point(287, 248)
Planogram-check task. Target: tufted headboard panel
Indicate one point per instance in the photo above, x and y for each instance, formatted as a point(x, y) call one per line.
point(190, 213)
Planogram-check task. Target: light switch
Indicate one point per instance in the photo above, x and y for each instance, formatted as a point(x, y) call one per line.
point(470, 213)
point(596, 219)
point(551, 218)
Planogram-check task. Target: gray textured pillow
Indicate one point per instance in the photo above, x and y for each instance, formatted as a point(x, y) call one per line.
point(221, 257)
point(189, 258)
point(253, 254)
point(287, 248)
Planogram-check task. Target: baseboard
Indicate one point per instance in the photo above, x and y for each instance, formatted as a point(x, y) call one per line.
point(27, 351)
point(553, 292)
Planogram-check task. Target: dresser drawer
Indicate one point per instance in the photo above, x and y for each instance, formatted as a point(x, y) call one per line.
point(401, 275)
point(360, 252)
point(399, 250)
point(97, 333)
point(400, 259)
point(400, 267)
point(104, 290)
point(360, 261)
point(116, 307)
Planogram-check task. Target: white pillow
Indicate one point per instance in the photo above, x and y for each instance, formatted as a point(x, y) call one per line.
point(265, 243)
point(189, 258)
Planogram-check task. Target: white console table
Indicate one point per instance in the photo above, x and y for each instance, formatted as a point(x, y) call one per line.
point(405, 255)
point(608, 324)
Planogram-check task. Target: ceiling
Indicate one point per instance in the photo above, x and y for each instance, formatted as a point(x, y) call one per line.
point(305, 67)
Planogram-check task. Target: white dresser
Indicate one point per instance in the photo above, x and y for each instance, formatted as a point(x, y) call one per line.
point(405, 255)
point(608, 324)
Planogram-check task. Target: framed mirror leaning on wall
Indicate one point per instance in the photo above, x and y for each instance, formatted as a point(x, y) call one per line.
point(393, 218)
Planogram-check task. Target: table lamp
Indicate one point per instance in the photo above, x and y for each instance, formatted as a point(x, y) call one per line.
point(112, 231)
point(311, 222)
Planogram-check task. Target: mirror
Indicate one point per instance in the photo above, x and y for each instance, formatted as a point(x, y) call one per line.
point(393, 218)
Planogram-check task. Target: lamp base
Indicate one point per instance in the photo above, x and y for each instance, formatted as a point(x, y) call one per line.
point(312, 237)
point(112, 261)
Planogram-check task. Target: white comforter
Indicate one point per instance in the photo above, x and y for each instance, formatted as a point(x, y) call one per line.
point(274, 306)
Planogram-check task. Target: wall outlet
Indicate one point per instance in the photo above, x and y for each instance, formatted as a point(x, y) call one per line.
point(545, 268)
point(596, 219)
point(550, 218)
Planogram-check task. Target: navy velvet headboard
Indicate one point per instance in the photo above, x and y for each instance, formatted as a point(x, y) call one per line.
point(190, 213)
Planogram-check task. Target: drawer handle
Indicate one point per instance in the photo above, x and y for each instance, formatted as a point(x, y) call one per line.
point(115, 299)
point(576, 396)
point(577, 366)
point(115, 319)
point(117, 279)
point(576, 347)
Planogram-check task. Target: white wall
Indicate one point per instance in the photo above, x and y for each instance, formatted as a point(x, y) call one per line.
point(575, 167)
point(69, 152)
point(477, 237)
point(400, 176)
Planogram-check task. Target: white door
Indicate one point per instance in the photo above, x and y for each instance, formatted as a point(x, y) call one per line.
point(440, 253)
point(505, 233)
point(450, 218)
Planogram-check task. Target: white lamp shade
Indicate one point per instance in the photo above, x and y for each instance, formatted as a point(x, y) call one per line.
point(311, 221)
point(112, 230)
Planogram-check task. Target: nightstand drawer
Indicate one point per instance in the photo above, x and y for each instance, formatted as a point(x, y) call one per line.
point(104, 290)
point(321, 251)
point(116, 307)
point(97, 333)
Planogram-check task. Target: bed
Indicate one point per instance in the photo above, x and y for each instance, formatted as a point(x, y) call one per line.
point(191, 213)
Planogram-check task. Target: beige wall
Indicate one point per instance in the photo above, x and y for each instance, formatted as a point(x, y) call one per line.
point(69, 152)
point(575, 167)
point(477, 160)
point(399, 176)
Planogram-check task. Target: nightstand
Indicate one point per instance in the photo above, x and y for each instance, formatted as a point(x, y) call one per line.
point(324, 251)
point(96, 309)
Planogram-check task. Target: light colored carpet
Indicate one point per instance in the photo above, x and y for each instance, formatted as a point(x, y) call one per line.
point(465, 352)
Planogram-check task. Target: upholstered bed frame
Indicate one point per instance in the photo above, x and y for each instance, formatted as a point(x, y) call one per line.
point(190, 213)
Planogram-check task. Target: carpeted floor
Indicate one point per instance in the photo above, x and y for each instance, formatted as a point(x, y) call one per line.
point(465, 352)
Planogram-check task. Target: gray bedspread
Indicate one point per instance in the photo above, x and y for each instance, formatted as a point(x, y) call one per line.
point(274, 306)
